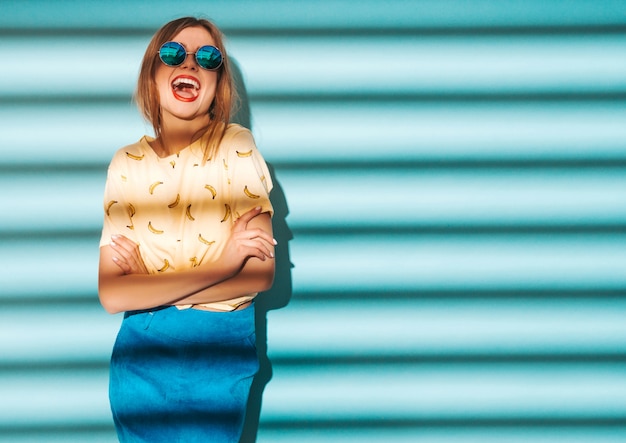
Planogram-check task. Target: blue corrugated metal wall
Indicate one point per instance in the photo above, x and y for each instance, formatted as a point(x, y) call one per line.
point(452, 174)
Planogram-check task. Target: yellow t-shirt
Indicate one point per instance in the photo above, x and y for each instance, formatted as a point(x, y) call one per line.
point(179, 211)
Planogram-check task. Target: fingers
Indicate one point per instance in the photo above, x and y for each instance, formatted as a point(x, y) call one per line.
point(256, 248)
point(260, 234)
point(127, 255)
point(256, 241)
point(122, 242)
point(257, 237)
point(122, 265)
point(242, 221)
point(122, 246)
point(260, 247)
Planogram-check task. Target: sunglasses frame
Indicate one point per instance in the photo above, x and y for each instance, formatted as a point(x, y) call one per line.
point(195, 54)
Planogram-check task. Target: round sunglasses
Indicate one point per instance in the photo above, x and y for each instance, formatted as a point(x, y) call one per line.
point(174, 54)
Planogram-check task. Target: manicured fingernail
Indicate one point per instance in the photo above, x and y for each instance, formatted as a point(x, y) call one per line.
point(275, 242)
point(113, 243)
point(258, 208)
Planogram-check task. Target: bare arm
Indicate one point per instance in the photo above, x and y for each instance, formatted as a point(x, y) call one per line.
point(245, 265)
point(256, 275)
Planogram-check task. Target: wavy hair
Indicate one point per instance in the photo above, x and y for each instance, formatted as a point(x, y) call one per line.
point(147, 97)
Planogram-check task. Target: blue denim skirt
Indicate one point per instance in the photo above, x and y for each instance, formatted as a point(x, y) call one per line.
point(182, 375)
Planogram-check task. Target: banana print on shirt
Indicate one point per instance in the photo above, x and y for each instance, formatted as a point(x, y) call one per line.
point(179, 209)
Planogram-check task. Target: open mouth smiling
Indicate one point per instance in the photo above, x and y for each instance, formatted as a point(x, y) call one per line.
point(185, 88)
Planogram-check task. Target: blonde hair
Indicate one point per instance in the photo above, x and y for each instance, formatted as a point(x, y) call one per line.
point(147, 97)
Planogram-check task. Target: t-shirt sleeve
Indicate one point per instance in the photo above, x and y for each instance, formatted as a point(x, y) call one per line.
point(249, 176)
point(117, 210)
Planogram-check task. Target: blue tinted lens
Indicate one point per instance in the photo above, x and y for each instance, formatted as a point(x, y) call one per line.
point(172, 53)
point(209, 57)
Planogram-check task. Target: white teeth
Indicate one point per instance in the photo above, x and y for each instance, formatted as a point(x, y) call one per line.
point(185, 81)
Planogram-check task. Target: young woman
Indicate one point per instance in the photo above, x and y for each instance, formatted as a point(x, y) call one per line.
point(186, 245)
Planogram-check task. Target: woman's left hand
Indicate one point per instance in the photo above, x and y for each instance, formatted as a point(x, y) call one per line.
point(127, 255)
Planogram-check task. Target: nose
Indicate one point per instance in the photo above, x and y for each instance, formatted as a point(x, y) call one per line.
point(190, 62)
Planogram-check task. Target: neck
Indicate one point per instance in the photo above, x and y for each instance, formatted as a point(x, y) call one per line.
point(174, 138)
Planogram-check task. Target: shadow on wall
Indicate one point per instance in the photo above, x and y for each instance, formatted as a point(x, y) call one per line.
point(280, 293)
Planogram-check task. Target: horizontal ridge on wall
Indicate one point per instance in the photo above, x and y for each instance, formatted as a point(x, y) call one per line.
point(321, 15)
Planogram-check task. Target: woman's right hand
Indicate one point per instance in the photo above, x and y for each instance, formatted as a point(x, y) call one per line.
point(127, 255)
point(245, 243)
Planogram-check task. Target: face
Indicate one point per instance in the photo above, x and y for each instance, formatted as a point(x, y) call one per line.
point(186, 91)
